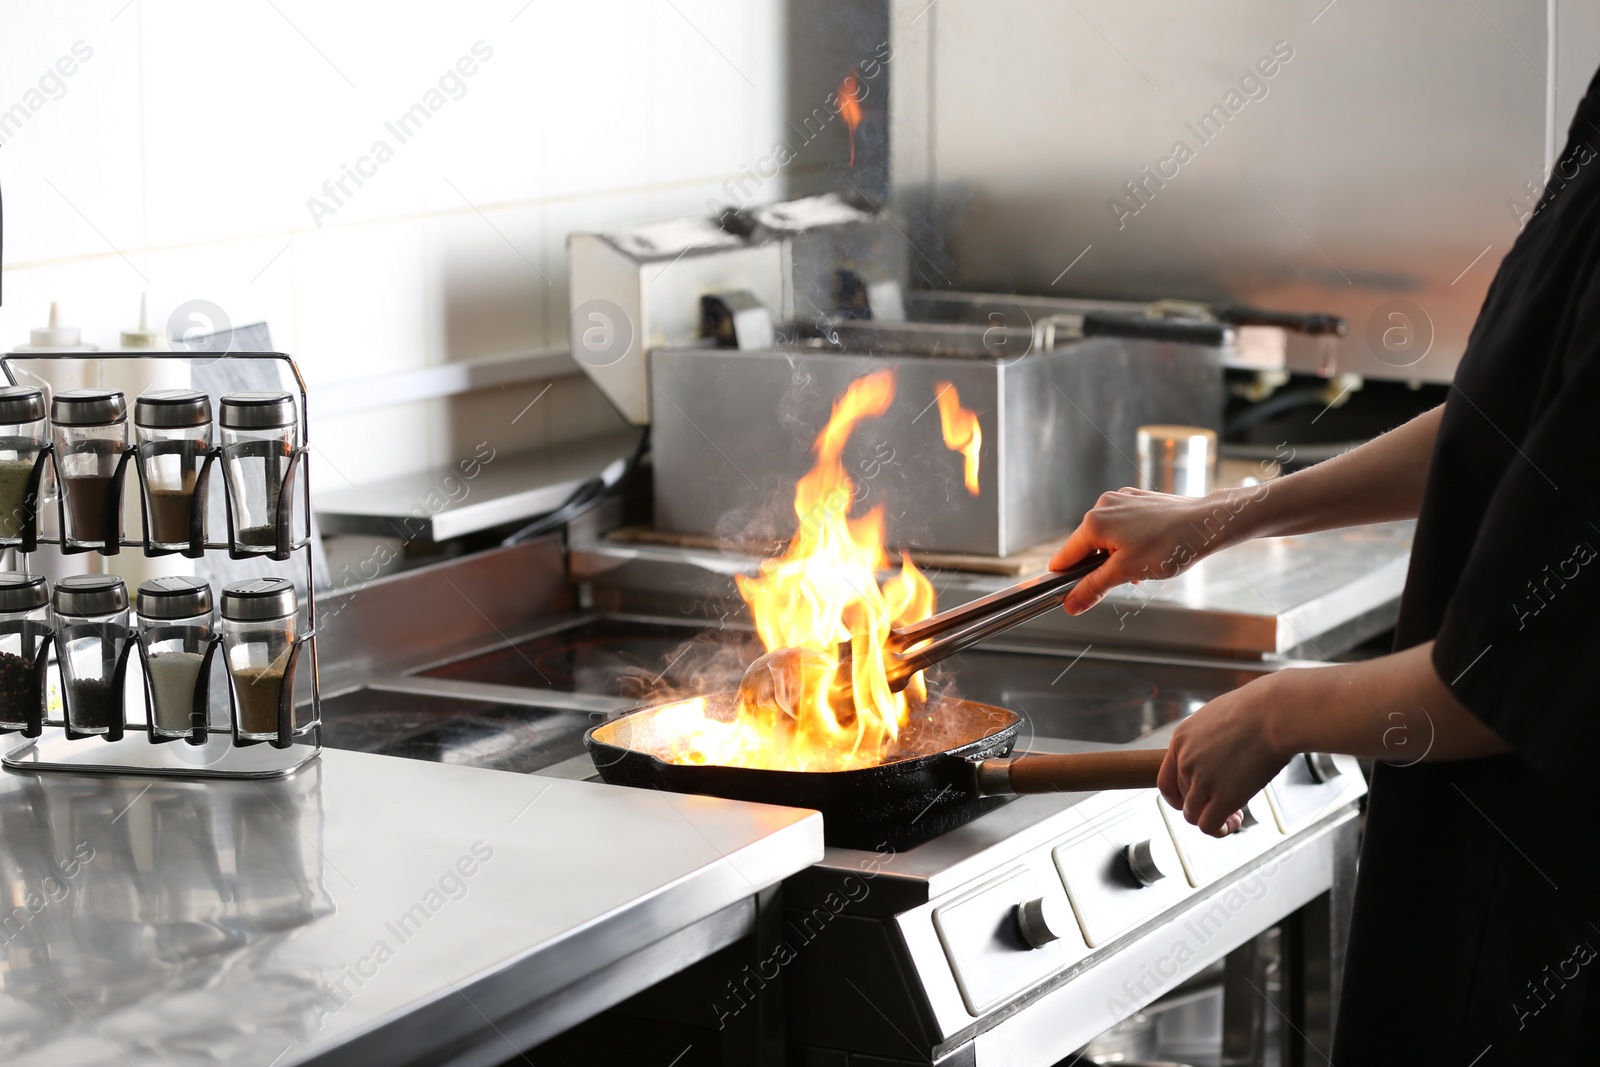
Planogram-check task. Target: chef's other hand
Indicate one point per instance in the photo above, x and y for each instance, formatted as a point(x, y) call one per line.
point(1223, 755)
point(1151, 536)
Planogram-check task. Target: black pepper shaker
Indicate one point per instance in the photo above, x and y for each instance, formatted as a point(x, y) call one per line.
point(91, 628)
point(24, 622)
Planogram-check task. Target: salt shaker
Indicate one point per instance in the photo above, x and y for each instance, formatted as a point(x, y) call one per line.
point(91, 629)
point(258, 627)
point(24, 621)
point(22, 436)
point(173, 429)
point(91, 433)
point(258, 438)
point(175, 615)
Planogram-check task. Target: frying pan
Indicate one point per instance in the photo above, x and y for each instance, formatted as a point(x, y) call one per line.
point(958, 765)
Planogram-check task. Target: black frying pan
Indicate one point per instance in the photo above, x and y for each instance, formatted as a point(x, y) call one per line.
point(948, 779)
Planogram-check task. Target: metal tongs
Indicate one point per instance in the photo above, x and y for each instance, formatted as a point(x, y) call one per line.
point(922, 644)
point(780, 677)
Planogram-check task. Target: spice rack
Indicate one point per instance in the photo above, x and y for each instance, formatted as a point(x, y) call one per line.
point(209, 748)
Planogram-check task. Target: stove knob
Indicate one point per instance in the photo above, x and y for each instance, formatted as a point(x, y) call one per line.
point(1249, 820)
point(1039, 922)
point(1322, 766)
point(1142, 862)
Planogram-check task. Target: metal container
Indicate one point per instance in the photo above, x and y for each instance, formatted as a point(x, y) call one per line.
point(1181, 460)
point(175, 615)
point(258, 438)
point(23, 434)
point(91, 628)
point(91, 433)
point(173, 429)
point(258, 627)
point(732, 433)
point(24, 621)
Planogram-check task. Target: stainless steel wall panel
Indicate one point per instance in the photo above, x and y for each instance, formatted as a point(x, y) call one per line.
point(1375, 173)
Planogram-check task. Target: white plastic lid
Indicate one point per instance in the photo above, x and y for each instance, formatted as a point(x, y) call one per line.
point(55, 337)
point(143, 336)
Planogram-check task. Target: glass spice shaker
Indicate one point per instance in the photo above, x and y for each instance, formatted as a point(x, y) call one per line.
point(24, 620)
point(91, 628)
point(258, 627)
point(173, 429)
point(22, 435)
point(175, 616)
point(91, 433)
point(258, 437)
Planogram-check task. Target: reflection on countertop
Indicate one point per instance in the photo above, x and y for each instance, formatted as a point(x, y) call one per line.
point(127, 894)
point(326, 915)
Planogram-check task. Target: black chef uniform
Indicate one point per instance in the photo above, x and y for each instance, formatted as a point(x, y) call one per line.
point(1476, 933)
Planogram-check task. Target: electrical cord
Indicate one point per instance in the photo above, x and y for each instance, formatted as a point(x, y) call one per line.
point(1272, 407)
point(584, 498)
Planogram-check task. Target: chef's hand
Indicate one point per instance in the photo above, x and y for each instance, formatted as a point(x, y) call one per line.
point(1223, 755)
point(1151, 537)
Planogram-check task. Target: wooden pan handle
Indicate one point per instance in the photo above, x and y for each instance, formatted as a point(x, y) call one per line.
point(1078, 772)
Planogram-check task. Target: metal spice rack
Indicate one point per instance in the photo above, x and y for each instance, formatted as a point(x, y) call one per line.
point(208, 750)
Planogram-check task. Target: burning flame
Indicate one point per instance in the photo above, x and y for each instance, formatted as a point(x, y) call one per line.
point(850, 108)
point(822, 591)
point(961, 431)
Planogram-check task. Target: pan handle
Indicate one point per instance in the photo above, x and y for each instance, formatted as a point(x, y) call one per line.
point(1078, 772)
point(1314, 323)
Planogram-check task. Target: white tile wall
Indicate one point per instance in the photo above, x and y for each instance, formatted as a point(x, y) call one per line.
point(179, 156)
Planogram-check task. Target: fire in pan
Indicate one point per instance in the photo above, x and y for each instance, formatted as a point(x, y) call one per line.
point(952, 763)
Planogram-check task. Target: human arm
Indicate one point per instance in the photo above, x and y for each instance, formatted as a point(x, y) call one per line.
point(1153, 536)
point(1393, 707)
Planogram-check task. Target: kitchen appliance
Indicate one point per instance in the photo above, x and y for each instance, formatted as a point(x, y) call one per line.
point(693, 325)
point(935, 937)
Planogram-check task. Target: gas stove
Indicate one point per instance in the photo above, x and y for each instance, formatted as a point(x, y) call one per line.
point(1014, 939)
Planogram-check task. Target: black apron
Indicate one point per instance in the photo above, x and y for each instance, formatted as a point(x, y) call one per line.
point(1476, 933)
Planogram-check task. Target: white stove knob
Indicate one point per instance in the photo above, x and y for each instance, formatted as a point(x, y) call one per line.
point(1038, 922)
point(1143, 863)
point(1249, 819)
point(1322, 766)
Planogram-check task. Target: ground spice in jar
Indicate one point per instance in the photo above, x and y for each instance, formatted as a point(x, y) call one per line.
point(258, 537)
point(19, 689)
point(91, 705)
point(170, 511)
point(259, 689)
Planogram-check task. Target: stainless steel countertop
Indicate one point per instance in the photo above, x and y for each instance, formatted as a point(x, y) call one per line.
point(1311, 596)
point(367, 909)
point(436, 505)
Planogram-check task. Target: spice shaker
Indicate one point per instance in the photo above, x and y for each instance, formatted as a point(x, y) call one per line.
point(91, 433)
point(173, 429)
point(24, 621)
point(22, 435)
point(175, 617)
point(258, 438)
point(258, 627)
point(91, 629)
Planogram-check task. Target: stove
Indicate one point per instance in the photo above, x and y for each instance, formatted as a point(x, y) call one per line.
point(1014, 939)
point(608, 656)
point(438, 728)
